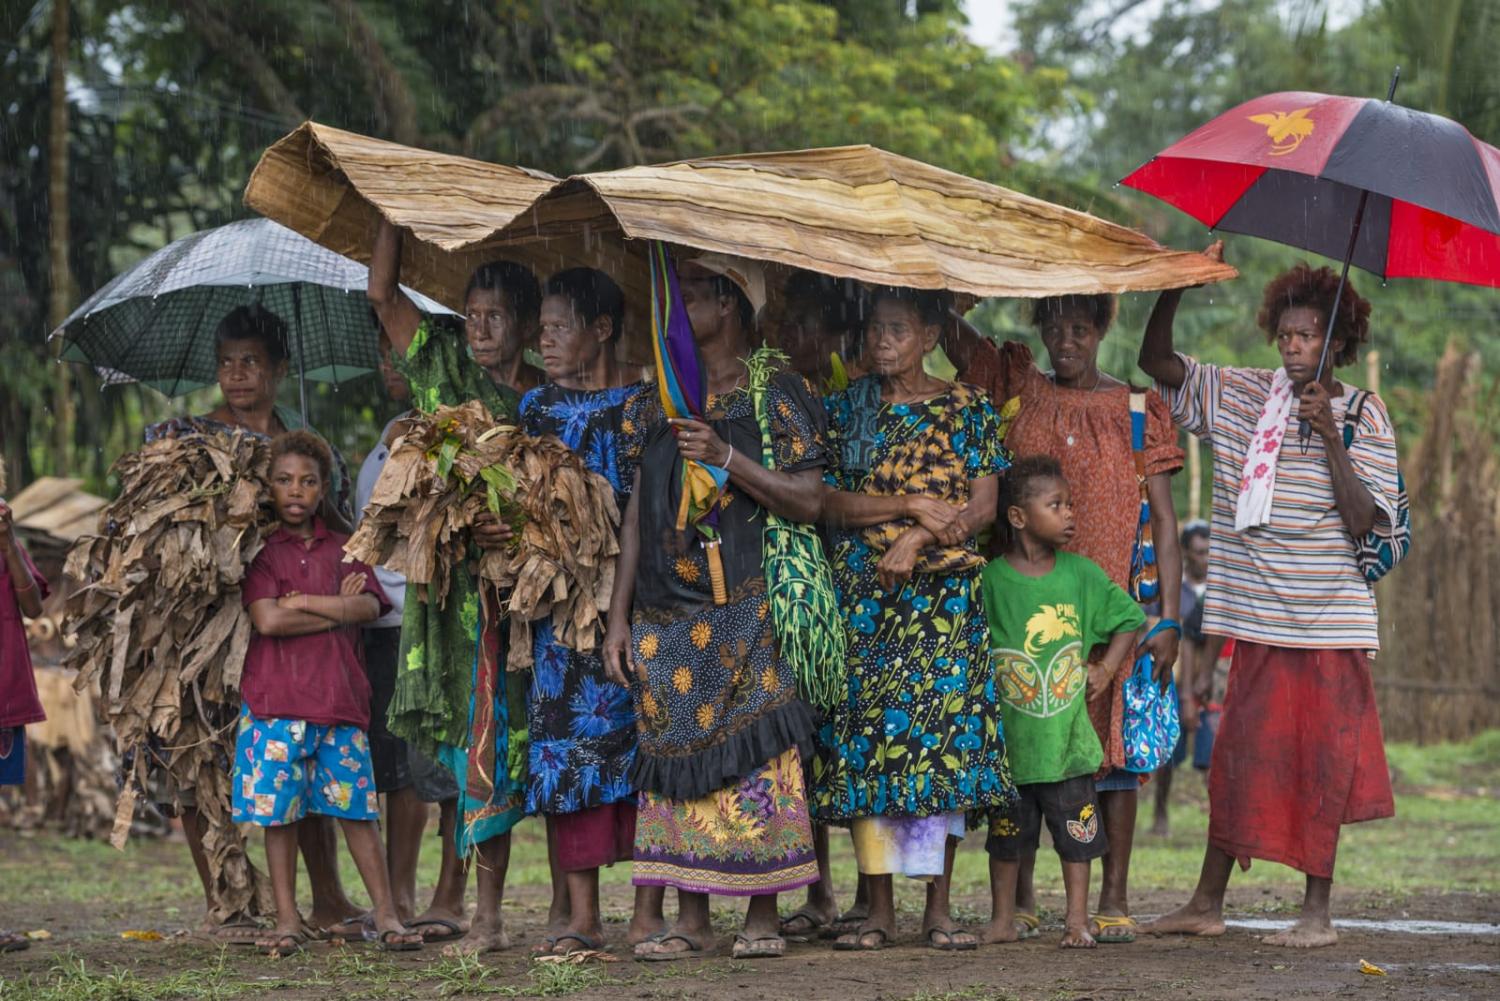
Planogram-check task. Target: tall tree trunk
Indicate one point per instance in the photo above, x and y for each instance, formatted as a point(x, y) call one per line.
point(60, 278)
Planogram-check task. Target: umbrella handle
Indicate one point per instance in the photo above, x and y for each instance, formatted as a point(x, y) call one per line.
point(1304, 429)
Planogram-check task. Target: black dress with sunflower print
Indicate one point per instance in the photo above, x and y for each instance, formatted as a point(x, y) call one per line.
point(718, 702)
point(920, 732)
point(723, 735)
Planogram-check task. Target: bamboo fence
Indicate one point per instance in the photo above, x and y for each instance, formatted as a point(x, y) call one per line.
point(1438, 674)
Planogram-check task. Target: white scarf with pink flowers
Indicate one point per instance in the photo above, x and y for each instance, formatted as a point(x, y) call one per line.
point(1258, 476)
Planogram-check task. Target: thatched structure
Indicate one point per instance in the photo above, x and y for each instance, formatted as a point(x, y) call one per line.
point(851, 211)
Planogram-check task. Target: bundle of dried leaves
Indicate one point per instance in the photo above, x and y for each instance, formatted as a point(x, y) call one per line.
point(446, 469)
point(161, 631)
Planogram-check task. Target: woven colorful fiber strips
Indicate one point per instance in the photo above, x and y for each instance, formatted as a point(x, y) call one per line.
point(799, 581)
point(1143, 583)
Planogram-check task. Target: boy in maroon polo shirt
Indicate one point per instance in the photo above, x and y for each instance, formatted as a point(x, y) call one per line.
point(303, 744)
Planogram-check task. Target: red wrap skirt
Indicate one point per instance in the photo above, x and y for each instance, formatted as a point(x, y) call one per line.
point(1298, 754)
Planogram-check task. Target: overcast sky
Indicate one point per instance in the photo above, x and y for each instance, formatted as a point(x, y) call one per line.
point(989, 23)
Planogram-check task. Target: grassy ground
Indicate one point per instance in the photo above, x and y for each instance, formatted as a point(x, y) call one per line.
point(1444, 844)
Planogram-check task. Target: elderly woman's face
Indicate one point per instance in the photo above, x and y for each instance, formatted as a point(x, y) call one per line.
point(1072, 341)
point(247, 376)
point(896, 339)
point(491, 327)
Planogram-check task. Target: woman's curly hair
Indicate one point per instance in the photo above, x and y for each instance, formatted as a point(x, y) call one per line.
point(1100, 309)
point(1305, 285)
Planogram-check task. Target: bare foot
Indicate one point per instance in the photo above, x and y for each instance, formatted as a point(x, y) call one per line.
point(999, 932)
point(1188, 920)
point(484, 936)
point(1304, 934)
point(1076, 938)
point(1159, 828)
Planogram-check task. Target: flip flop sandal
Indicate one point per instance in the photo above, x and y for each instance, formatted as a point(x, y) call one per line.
point(765, 947)
point(276, 946)
point(240, 932)
point(842, 925)
point(1027, 926)
point(350, 931)
point(13, 942)
point(387, 940)
point(544, 947)
point(1103, 921)
point(815, 926)
point(658, 955)
point(454, 930)
point(854, 941)
point(585, 943)
point(949, 941)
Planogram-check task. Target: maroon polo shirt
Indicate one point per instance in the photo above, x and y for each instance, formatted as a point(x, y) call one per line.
point(320, 677)
point(19, 704)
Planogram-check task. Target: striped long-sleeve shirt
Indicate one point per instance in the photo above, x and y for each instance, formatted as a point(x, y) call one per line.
point(1293, 582)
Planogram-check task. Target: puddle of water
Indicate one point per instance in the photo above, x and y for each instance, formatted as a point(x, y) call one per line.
point(1399, 927)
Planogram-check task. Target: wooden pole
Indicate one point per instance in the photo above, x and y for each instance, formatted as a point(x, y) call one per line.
point(1372, 371)
point(60, 278)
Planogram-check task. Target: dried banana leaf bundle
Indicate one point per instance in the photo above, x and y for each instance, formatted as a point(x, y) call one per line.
point(448, 468)
point(160, 629)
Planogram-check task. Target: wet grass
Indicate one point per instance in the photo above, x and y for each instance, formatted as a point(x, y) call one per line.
point(1445, 837)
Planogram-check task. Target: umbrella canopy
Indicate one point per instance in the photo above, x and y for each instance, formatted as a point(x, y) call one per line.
point(155, 323)
point(854, 211)
point(1292, 167)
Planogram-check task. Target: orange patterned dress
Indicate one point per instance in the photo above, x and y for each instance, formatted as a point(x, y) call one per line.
point(1088, 433)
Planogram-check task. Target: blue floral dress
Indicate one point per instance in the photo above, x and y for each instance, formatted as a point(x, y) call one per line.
point(583, 735)
point(919, 734)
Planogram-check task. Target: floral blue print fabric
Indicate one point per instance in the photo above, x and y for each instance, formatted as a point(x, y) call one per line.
point(919, 732)
point(583, 735)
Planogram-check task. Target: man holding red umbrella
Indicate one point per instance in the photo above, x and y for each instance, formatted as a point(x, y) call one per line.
point(1299, 749)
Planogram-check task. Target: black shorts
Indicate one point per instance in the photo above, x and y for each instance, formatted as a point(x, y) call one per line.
point(1071, 808)
point(387, 751)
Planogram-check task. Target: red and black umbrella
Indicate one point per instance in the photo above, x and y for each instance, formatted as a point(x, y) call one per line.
point(1398, 192)
point(1294, 167)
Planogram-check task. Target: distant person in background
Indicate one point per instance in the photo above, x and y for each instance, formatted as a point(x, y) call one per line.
point(22, 589)
point(1190, 661)
point(401, 773)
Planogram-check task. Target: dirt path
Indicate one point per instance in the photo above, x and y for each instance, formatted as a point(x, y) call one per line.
point(1235, 968)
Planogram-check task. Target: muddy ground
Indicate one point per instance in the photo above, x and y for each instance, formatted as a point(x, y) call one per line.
point(86, 958)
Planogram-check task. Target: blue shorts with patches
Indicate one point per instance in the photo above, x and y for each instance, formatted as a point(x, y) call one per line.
point(285, 769)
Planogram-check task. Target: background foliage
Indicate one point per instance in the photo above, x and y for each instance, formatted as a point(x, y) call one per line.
point(171, 101)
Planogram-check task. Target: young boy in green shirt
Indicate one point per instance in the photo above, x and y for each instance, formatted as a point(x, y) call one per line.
point(1047, 610)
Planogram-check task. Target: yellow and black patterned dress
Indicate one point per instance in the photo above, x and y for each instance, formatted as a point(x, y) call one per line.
point(723, 733)
point(919, 734)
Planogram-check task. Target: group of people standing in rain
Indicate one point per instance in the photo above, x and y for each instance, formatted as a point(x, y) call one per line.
point(985, 535)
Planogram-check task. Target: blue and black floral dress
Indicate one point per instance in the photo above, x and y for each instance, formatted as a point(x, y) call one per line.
point(583, 736)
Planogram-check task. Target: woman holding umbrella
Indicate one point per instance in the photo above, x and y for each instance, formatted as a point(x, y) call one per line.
point(1299, 749)
point(251, 347)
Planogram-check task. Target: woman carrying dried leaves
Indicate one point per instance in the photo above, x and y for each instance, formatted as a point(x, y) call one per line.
point(582, 725)
point(251, 347)
point(457, 706)
point(722, 730)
